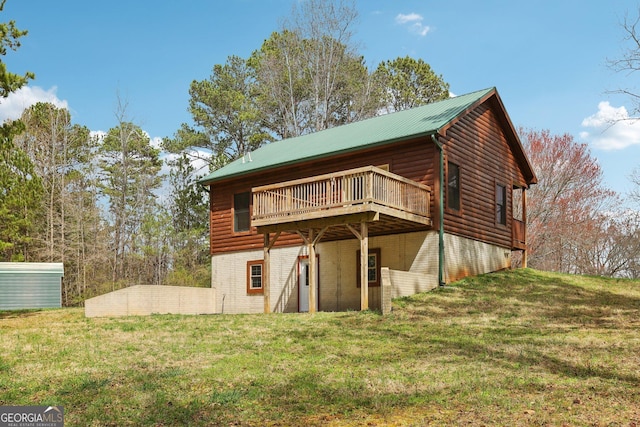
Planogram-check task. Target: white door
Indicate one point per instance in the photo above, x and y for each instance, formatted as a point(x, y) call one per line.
point(303, 284)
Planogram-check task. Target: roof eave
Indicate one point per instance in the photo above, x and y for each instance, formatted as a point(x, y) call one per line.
point(521, 156)
point(209, 182)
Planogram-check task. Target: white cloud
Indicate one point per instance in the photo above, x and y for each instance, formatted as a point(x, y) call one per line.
point(13, 106)
point(156, 142)
point(414, 23)
point(403, 19)
point(611, 128)
point(199, 159)
point(99, 134)
point(606, 115)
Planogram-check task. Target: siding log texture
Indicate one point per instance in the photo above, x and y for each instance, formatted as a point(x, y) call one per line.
point(478, 145)
point(412, 160)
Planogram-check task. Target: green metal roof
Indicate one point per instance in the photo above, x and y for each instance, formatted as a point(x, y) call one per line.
point(379, 130)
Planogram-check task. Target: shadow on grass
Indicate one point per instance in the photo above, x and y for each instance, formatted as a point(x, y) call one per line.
point(531, 294)
point(532, 359)
point(149, 397)
point(523, 308)
point(13, 314)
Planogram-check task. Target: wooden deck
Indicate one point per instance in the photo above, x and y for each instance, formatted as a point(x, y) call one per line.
point(369, 194)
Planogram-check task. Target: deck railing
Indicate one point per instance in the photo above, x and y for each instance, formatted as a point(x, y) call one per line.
point(340, 190)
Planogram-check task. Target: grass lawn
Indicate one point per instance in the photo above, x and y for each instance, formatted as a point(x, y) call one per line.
point(511, 348)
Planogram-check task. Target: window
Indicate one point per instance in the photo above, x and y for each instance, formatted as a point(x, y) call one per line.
point(453, 186)
point(501, 204)
point(241, 218)
point(254, 277)
point(373, 267)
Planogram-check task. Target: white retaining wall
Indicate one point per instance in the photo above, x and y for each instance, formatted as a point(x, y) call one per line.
point(145, 300)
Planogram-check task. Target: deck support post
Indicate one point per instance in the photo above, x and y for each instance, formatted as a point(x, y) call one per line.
point(524, 219)
point(363, 236)
point(266, 288)
point(312, 272)
point(311, 240)
point(266, 272)
point(364, 266)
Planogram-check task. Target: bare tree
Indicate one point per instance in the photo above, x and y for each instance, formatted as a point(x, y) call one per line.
point(310, 74)
point(635, 180)
point(565, 205)
point(62, 156)
point(630, 61)
point(326, 29)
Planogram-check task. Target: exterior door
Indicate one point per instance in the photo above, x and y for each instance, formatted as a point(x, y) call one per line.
point(303, 284)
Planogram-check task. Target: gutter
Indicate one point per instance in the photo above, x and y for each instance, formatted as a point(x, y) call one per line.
point(441, 282)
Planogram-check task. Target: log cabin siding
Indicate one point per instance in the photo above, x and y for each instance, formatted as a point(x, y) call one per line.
point(477, 144)
point(412, 159)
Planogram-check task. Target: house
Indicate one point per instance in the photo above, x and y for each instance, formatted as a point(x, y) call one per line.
point(30, 285)
point(350, 217)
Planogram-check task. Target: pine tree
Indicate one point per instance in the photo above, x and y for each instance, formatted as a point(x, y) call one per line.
point(19, 186)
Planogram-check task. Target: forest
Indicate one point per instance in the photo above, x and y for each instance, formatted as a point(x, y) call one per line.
point(100, 203)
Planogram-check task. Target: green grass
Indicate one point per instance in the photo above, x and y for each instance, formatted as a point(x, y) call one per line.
point(511, 348)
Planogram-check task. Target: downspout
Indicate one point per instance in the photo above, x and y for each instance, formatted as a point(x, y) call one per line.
point(441, 213)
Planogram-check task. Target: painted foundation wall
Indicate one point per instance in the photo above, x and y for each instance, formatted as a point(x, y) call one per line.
point(412, 260)
point(143, 300)
point(466, 257)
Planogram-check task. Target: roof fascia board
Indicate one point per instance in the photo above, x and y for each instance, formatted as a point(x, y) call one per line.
point(504, 117)
point(520, 154)
point(443, 129)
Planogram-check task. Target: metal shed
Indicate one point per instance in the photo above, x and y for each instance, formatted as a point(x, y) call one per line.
point(25, 285)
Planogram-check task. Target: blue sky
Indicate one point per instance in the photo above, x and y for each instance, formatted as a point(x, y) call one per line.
point(548, 58)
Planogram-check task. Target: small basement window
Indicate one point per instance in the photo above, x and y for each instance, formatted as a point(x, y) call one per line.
point(255, 277)
point(373, 267)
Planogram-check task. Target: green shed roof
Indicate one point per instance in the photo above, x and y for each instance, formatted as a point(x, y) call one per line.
point(32, 267)
point(379, 130)
point(27, 285)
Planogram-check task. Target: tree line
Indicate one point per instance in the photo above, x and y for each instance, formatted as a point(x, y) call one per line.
point(99, 204)
point(575, 223)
